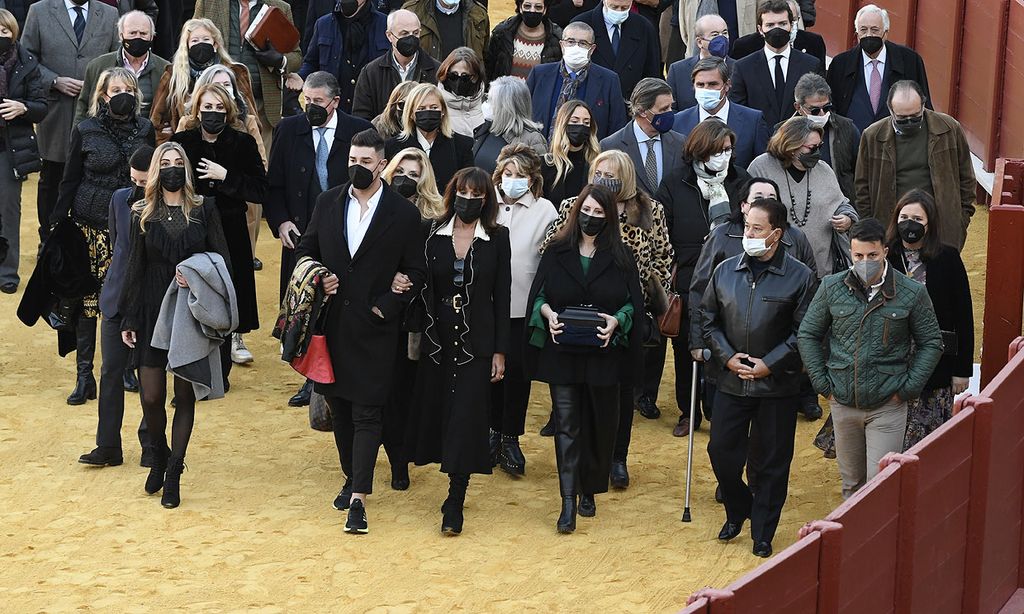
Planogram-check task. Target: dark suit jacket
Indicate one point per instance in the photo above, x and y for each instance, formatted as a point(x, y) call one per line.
point(752, 83)
point(846, 74)
point(748, 124)
point(362, 345)
point(120, 229)
point(671, 153)
point(808, 42)
point(681, 81)
point(564, 11)
point(603, 95)
point(639, 53)
point(447, 155)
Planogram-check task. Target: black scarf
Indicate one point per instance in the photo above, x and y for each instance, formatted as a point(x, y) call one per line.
point(354, 29)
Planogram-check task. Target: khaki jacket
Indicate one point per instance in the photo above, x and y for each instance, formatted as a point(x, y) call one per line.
point(476, 27)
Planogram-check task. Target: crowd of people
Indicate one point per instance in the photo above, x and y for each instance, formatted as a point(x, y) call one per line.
point(465, 211)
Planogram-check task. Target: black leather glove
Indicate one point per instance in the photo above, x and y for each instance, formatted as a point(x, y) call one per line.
point(270, 57)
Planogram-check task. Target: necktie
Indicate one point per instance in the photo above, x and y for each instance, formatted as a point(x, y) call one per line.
point(615, 39)
point(321, 158)
point(780, 82)
point(875, 87)
point(651, 165)
point(243, 17)
point(79, 23)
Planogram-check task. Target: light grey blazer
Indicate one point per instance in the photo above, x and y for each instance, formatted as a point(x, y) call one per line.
point(671, 153)
point(49, 36)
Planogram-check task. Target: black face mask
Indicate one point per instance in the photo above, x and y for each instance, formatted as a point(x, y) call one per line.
point(6, 42)
point(577, 133)
point(201, 54)
point(316, 114)
point(427, 120)
point(136, 47)
point(213, 122)
point(810, 160)
point(909, 126)
point(911, 231)
point(407, 46)
point(347, 8)
point(468, 209)
point(360, 176)
point(532, 19)
point(122, 105)
point(139, 192)
point(777, 37)
point(591, 225)
point(871, 44)
point(172, 178)
point(404, 185)
point(461, 85)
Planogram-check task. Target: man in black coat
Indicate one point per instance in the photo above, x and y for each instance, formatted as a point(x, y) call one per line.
point(807, 42)
point(625, 43)
point(561, 12)
point(765, 81)
point(296, 175)
point(364, 233)
point(854, 73)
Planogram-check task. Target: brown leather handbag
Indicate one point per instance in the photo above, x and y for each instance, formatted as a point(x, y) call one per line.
point(671, 320)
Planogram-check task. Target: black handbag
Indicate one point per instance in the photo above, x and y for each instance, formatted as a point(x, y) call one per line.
point(579, 326)
point(839, 252)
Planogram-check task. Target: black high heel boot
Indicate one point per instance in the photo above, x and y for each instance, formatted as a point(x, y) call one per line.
point(155, 480)
point(85, 349)
point(511, 459)
point(172, 495)
point(451, 509)
point(567, 519)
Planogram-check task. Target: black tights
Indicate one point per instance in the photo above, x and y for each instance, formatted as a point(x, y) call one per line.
point(153, 393)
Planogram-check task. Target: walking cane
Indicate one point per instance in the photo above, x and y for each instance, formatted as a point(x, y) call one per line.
point(706, 354)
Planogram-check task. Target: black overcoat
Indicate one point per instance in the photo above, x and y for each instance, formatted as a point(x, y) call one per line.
point(448, 155)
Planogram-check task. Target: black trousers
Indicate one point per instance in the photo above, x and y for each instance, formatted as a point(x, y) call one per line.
point(511, 396)
point(50, 177)
point(395, 414)
point(624, 427)
point(357, 430)
point(111, 393)
point(654, 367)
point(775, 420)
point(585, 419)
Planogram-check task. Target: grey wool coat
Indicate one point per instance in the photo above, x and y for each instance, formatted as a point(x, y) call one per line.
point(50, 37)
point(194, 321)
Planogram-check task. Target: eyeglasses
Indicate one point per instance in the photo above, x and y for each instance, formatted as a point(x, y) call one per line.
point(811, 149)
point(460, 272)
point(572, 42)
point(823, 109)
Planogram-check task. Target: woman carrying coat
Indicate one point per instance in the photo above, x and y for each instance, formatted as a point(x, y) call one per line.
point(586, 264)
point(227, 166)
point(466, 297)
point(23, 102)
point(101, 146)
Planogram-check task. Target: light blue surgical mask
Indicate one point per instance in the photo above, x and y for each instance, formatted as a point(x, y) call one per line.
point(707, 99)
point(514, 187)
point(615, 17)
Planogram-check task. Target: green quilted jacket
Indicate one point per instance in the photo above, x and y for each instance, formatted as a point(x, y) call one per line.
point(877, 348)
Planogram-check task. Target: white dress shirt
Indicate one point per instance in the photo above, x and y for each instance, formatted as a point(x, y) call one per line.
point(722, 114)
point(332, 126)
point(404, 72)
point(867, 66)
point(126, 63)
point(768, 53)
point(641, 141)
point(424, 143)
point(356, 225)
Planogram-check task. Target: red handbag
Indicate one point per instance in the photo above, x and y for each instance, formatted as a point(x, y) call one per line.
point(315, 363)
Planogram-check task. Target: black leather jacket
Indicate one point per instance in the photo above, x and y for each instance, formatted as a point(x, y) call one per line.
point(759, 317)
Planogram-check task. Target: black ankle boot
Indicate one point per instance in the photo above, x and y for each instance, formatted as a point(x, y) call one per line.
point(172, 495)
point(85, 389)
point(567, 519)
point(451, 509)
point(85, 349)
point(495, 447)
point(155, 480)
point(511, 459)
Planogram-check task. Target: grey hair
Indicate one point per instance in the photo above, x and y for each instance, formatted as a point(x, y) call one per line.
point(795, 7)
point(578, 26)
point(811, 84)
point(325, 80)
point(393, 14)
point(123, 18)
point(872, 8)
point(511, 107)
point(646, 92)
point(905, 85)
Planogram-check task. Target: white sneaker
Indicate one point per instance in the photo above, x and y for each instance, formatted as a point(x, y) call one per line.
point(240, 355)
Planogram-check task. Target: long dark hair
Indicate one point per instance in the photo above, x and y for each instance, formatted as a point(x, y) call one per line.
point(473, 179)
point(737, 214)
point(609, 238)
point(932, 245)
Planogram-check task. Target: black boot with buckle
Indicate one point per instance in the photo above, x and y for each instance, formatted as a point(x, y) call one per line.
point(511, 458)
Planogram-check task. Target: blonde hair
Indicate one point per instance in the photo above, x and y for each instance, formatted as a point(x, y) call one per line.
point(181, 74)
point(637, 205)
point(526, 162)
point(148, 207)
point(428, 199)
point(247, 106)
point(785, 144)
point(414, 98)
point(387, 125)
point(8, 21)
point(231, 119)
point(108, 75)
point(558, 156)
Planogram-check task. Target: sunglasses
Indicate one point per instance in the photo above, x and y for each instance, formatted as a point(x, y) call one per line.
point(460, 272)
point(823, 109)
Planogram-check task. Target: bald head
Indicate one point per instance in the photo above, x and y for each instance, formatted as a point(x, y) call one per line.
point(710, 24)
point(136, 24)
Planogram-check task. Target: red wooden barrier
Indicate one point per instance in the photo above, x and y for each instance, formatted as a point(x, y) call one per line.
point(787, 583)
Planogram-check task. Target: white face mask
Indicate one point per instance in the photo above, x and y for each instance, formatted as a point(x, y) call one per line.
point(514, 187)
point(615, 17)
point(576, 58)
point(819, 120)
point(707, 99)
point(719, 162)
point(755, 248)
point(792, 33)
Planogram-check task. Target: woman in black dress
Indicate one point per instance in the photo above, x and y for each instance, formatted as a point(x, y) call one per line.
point(169, 225)
point(97, 166)
point(466, 298)
point(574, 146)
point(226, 165)
point(586, 264)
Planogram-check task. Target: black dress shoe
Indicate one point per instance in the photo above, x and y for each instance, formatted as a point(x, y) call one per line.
point(342, 500)
point(587, 506)
point(811, 411)
point(85, 389)
point(257, 264)
point(130, 383)
point(102, 457)
point(511, 456)
point(567, 519)
point(619, 475)
point(301, 398)
point(356, 523)
point(763, 549)
point(9, 288)
point(647, 408)
point(400, 477)
point(549, 428)
point(730, 530)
